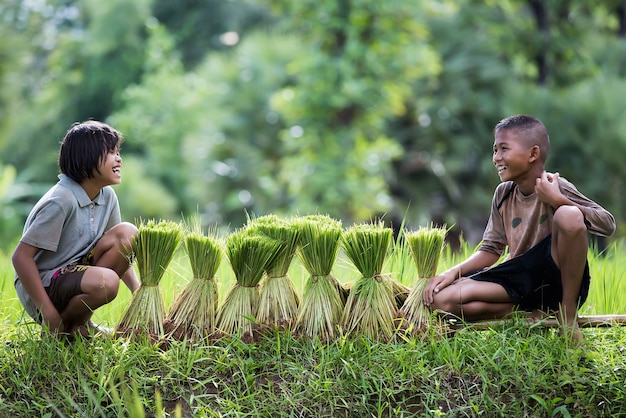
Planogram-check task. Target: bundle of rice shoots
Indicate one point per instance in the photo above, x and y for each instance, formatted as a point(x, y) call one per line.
point(279, 301)
point(193, 313)
point(154, 248)
point(371, 306)
point(248, 255)
point(322, 301)
point(426, 245)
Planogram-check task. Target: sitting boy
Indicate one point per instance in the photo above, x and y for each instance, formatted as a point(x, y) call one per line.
point(544, 221)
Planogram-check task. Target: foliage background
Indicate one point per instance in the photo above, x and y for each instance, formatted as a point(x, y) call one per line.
point(353, 108)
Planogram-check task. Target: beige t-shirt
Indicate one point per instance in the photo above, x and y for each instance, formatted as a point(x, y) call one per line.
point(522, 221)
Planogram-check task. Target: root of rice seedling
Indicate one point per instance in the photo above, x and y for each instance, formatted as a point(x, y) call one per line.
point(193, 313)
point(237, 313)
point(144, 315)
point(321, 309)
point(279, 302)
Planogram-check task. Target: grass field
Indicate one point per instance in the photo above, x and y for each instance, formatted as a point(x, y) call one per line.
point(512, 370)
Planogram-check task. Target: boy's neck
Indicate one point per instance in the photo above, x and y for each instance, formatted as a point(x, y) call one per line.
point(91, 188)
point(527, 184)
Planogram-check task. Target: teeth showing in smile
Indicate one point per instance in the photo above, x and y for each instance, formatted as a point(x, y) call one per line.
point(116, 170)
point(501, 168)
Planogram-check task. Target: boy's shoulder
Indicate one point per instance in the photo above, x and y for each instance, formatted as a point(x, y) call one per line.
point(504, 187)
point(503, 192)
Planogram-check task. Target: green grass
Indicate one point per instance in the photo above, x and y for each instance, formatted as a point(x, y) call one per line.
point(511, 370)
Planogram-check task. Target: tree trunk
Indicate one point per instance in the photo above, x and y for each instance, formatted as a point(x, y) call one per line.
point(621, 18)
point(541, 18)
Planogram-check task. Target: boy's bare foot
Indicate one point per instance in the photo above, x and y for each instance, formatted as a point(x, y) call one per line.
point(90, 329)
point(573, 335)
point(536, 315)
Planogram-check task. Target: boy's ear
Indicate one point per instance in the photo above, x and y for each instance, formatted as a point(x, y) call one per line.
point(535, 153)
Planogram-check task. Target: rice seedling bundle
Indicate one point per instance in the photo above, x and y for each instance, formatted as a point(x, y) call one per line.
point(154, 247)
point(426, 245)
point(322, 303)
point(370, 308)
point(193, 313)
point(279, 301)
point(248, 255)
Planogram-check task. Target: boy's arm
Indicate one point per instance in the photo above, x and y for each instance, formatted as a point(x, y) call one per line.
point(598, 220)
point(131, 280)
point(477, 261)
point(24, 263)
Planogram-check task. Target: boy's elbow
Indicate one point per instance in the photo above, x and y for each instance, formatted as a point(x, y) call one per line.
point(22, 254)
point(612, 231)
point(609, 229)
point(15, 258)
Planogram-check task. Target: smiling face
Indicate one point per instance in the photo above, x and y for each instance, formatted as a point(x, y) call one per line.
point(514, 157)
point(110, 168)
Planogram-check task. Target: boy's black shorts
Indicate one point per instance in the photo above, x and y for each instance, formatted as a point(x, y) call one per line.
point(532, 280)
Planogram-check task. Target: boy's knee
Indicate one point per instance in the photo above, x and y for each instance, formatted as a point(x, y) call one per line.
point(441, 303)
point(569, 219)
point(110, 287)
point(120, 238)
point(102, 283)
point(125, 231)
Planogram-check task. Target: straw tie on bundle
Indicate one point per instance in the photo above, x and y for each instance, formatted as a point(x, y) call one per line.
point(371, 306)
point(322, 303)
point(279, 301)
point(426, 245)
point(193, 313)
point(154, 247)
point(248, 255)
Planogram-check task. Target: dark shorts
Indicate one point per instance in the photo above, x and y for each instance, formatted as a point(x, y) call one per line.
point(65, 283)
point(532, 280)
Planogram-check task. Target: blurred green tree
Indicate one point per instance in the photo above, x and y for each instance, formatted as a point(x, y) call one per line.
point(200, 26)
point(83, 54)
point(351, 108)
point(360, 61)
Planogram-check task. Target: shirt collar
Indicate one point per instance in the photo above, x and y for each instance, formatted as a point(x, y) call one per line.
point(79, 192)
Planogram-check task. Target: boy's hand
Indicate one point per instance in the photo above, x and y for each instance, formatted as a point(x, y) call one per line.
point(52, 320)
point(547, 189)
point(435, 284)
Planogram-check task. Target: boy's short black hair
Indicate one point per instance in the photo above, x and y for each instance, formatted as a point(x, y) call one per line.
point(84, 146)
point(519, 122)
point(535, 132)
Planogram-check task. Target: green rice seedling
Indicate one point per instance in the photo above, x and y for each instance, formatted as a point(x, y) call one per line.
point(370, 308)
point(279, 301)
point(193, 313)
point(426, 245)
point(154, 247)
point(248, 255)
point(322, 302)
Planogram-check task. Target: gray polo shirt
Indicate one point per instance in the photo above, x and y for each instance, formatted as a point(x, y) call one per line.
point(65, 224)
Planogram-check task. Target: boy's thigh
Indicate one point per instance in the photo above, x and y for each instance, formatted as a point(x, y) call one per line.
point(118, 238)
point(468, 290)
point(97, 278)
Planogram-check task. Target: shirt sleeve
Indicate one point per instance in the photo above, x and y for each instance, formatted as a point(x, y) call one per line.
point(45, 230)
point(598, 220)
point(494, 237)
